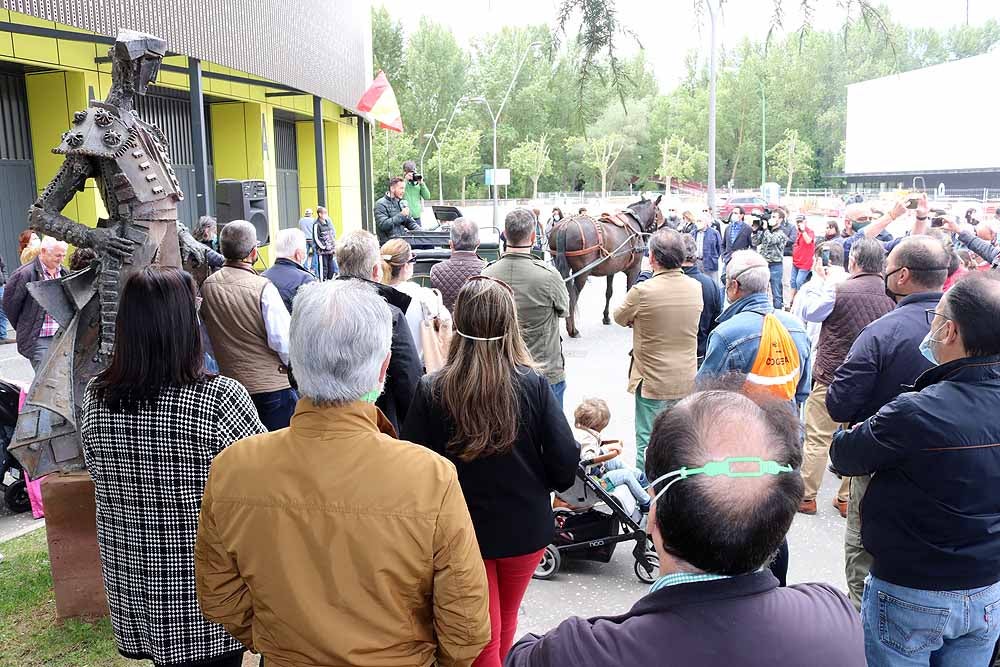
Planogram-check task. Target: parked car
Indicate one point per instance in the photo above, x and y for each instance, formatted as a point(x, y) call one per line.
point(746, 202)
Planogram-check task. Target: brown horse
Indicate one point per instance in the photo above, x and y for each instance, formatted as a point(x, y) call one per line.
point(584, 246)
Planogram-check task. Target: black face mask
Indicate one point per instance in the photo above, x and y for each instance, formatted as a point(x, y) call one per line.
point(892, 295)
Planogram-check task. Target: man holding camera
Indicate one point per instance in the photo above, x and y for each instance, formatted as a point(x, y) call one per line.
point(769, 240)
point(416, 190)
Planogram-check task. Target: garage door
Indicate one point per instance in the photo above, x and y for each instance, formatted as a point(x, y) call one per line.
point(17, 174)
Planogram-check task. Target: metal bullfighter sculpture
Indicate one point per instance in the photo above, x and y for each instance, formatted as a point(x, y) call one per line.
point(128, 159)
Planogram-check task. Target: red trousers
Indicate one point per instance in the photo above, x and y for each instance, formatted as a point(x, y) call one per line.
point(508, 579)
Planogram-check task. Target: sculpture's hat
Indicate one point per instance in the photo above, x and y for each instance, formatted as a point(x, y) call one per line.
point(134, 45)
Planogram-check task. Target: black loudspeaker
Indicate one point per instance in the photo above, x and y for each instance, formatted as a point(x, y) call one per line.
point(243, 200)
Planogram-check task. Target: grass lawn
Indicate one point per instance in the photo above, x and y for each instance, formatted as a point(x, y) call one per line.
point(29, 632)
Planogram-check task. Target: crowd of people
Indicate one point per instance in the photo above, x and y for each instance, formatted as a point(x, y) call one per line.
point(275, 454)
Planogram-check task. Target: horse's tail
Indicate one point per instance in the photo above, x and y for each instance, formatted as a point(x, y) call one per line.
point(562, 265)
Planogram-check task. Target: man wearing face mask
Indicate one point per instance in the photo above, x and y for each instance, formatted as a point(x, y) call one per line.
point(884, 359)
point(709, 246)
point(736, 237)
point(929, 518)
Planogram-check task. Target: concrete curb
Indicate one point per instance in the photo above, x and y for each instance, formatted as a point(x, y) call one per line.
point(37, 525)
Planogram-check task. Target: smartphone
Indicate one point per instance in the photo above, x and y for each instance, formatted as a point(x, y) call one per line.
point(913, 202)
point(825, 255)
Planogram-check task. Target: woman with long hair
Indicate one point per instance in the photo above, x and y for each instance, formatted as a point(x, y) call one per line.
point(497, 420)
point(206, 232)
point(28, 246)
point(397, 271)
point(152, 423)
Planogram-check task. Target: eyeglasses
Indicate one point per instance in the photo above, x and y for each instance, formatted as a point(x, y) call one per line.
point(494, 280)
point(412, 259)
point(930, 313)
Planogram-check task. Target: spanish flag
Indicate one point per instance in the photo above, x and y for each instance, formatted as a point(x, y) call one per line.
point(381, 102)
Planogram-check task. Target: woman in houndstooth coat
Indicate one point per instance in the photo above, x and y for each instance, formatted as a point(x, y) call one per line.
point(152, 423)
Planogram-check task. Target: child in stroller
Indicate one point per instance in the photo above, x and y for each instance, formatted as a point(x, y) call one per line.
point(592, 417)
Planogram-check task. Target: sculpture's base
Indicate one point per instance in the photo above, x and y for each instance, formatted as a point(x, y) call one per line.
point(71, 524)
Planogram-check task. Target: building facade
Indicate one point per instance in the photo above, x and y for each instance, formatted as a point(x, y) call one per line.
point(249, 90)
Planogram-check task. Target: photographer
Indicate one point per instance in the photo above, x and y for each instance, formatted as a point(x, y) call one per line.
point(416, 190)
point(769, 240)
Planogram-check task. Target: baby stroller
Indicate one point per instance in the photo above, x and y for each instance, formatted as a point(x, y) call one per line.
point(15, 494)
point(594, 522)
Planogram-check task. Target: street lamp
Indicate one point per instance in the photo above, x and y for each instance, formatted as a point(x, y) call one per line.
point(430, 137)
point(763, 137)
point(496, 119)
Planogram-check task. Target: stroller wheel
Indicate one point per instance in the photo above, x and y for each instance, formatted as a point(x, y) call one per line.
point(647, 575)
point(16, 497)
point(549, 564)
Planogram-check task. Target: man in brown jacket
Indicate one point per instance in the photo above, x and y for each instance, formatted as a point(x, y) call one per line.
point(332, 542)
point(664, 313)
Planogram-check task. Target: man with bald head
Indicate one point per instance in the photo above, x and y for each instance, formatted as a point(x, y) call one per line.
point(930, 515)
point(884, 359)
point(716, 603)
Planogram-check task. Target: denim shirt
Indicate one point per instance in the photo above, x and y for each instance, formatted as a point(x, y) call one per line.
point(733, 344)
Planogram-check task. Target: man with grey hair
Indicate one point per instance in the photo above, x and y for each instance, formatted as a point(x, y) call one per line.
point(449, 276)
point(288, 273)
point(34, 326)
point(733, 346)
point(360, 259)
point(363, 520)
point(844, 309)
point(247, 325)
point(664, 313)
point(539, 293)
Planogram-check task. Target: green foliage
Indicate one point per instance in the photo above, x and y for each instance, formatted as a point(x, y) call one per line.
point(387, 44)
point(680, 160)
point(459, 154)
point(531, 160)
point(790, 157)
point(600, 154)
point(389, 151)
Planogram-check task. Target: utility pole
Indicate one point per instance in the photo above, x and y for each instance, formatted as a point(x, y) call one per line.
point(712, 9)
point(763, 136)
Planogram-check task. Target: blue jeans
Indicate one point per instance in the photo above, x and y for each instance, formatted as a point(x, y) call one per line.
point(907, 627)
point(275, 408)
point(621, 475)
point(3, 316)
point(799, 277)
point(559, 388)
point(777, 289)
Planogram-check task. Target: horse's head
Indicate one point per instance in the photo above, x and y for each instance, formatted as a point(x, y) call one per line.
point(647, 211)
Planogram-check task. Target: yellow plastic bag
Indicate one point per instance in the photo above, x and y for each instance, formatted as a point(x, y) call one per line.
point(777, 368)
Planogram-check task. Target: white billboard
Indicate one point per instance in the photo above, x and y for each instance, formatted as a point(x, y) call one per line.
point(937, 118)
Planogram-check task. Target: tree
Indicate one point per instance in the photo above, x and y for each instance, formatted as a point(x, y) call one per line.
point(387, 45)
point(459, 154)
point(789, 157)
point(435, 76)
point(389, 150)
point(599, 153)
point(680, 160)
point(531, 159)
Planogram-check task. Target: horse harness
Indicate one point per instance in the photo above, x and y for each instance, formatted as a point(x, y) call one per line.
point(625, 219)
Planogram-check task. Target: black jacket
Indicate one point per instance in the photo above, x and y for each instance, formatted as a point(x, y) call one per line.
point(711, 308)
point(731, 245)
point(288, 277)
point(507, 494)
point(746, 621)
point(931, 516)
point(22, 311)
point(792, 232)
point(405, 368)
point(883, 362)
point(389, 219)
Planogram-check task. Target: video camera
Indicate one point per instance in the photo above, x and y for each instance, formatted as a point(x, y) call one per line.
point(759, 216)
point(417, 177)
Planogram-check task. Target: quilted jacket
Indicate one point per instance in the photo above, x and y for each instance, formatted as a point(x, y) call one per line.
point(449, 276)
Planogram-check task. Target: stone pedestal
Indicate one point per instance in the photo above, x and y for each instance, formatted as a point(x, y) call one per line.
point(71, 525)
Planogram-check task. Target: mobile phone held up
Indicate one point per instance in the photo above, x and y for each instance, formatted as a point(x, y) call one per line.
point(913, 201)
point(825, 255)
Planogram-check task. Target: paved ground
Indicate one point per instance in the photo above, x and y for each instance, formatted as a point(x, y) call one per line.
point(597, 365)
point(14, 368)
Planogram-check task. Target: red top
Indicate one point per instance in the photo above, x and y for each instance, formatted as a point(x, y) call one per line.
point(802, 251)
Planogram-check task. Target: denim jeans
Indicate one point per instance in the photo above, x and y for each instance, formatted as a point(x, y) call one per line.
point(3, 316)
point(559, 389)
point(799, 277)
point(275, 408)
point(907, 627)
point(777, 289)
point(630, 477)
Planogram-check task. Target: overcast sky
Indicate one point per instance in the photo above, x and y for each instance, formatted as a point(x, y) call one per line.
point(668, 28)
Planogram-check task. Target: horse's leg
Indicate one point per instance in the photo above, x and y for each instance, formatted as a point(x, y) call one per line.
point(632, 274)
point(579, 282)
point(607, 298)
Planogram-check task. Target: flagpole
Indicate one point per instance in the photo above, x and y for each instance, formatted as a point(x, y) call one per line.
point(388, 172)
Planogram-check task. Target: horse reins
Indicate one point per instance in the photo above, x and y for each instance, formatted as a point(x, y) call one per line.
point(633, 235)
